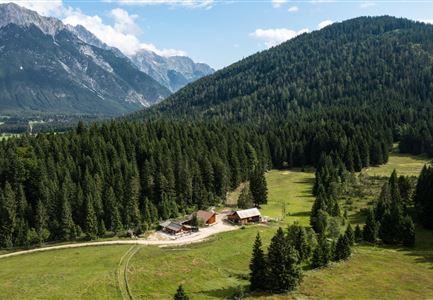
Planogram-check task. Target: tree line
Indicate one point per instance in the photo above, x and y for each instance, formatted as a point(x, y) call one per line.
point(120, 175)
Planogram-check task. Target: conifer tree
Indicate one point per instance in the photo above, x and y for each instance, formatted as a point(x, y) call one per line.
point(423, 197)
point(67, 225)
point(358, 233)
point(41, 222)
point(408, 232)
point(91, 228)
point(245, 199)
point(7, 216)
point(258, 268)
point(342, 248)
point(258, 187)
point(322, 253)
point(369, 232)
point(284, 270)
point(180, 294)
point(350, 235)
point(297, 237)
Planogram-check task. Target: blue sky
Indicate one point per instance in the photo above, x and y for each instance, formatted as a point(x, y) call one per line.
point(212, 31)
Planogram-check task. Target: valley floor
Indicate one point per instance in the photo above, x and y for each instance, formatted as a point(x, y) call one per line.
point(214, 268)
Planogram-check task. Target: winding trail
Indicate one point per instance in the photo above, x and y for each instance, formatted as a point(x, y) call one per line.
point(184, 240)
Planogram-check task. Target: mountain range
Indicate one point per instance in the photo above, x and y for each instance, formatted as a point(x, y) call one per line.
point(49, 67)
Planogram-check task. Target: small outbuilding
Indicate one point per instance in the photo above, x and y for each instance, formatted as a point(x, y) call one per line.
point(246, 216)
point(208, 217)
point(172, 227)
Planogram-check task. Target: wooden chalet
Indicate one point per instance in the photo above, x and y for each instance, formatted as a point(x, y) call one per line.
point(207, 217)
point(246, 216)
point(174, 228)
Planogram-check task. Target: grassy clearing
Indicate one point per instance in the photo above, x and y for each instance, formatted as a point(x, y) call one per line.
point(292, 190)
point(211, 270)
point(82, 273)
point(405, 164)
point(372, 273)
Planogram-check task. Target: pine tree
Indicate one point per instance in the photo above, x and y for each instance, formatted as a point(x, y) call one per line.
point(297, 237)
point(423, 197)
point(342, 248)
point(322, 253)
point(7, 216)
point(408, 232)
point(133, 217)
point(284, 270)
point(91, 228)
point(258, 188)
point(67, 225)
point(180, 294)
point(358, 233)
point(245, 199)
point(41, 222)
point(369, 232)
point(390, 225)
point(350, 235)
point(258, 274)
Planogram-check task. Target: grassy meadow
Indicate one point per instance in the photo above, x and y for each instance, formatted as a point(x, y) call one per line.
point(213, 269)
point(81, 273)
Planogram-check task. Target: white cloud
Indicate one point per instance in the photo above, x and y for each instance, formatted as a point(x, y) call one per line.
point(367, 4)
point(273, 37)
point(186, 3)
point(427, 21)
point(278, 3)
point(45, 8)
point(293, 9)
point(124, 22)
point(122, 35)
point(325, 23)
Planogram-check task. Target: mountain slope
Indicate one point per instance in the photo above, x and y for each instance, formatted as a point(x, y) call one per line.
point(357, 63)
point(173, 72)
point(46, 68)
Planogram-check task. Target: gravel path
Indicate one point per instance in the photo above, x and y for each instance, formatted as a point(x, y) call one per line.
point(203, 234)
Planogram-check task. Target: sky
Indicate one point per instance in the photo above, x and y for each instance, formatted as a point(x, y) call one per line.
point(216, 32)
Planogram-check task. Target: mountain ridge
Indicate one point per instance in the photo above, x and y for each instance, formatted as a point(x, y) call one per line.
point(47, 68)
point(355, 62)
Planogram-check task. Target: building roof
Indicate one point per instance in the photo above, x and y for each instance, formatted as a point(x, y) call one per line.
point(174, 226)
point(204, 215)
point(248, 213)
point(165, 223)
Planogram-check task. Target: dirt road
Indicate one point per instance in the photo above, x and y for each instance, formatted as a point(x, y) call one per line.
point(203, 234)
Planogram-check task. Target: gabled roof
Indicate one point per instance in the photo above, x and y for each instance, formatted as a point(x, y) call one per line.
point(174, 226)
point(248, 213)
point(165, 223)
point(204, 215)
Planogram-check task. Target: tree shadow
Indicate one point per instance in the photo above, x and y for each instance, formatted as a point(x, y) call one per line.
point(223, 293)
point(300, 214)
point(305, 180)
point(423, 250)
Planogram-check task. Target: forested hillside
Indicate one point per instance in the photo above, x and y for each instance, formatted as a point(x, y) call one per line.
point(383, 62)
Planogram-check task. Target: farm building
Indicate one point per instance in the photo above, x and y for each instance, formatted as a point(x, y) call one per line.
point(251, 215)
point(173, 228)
point(207, 217)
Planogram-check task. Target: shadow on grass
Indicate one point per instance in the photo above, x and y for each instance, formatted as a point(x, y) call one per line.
point(300, 214)
point(423, 250)
point(305, 180)
point(223, 293)
point(357, 218)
